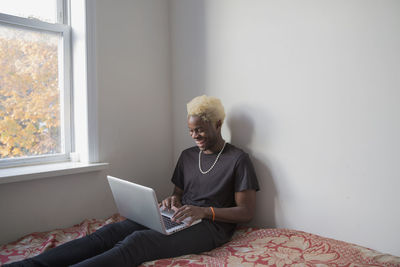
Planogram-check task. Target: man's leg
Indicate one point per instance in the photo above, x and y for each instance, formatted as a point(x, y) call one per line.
point(83, 248)
point(147, 245)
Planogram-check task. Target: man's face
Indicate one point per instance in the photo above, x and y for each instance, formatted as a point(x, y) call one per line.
point(204, 133)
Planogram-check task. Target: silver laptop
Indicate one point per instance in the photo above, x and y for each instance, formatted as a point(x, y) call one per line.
point(139, 204)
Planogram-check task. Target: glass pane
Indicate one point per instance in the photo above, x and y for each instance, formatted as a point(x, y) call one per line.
point(29, 93)
point(45, 10)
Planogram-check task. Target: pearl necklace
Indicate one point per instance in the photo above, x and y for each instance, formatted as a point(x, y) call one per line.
point(212, 166)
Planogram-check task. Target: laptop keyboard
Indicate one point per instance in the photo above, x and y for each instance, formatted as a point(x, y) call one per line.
point(168, 223)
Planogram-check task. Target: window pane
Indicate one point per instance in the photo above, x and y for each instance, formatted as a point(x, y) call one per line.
point(45, 10)
point(29, 93)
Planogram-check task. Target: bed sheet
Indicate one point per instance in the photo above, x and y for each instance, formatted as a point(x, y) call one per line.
point(248, 247)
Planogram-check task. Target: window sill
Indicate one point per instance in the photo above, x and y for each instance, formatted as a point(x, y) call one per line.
point(26, 173)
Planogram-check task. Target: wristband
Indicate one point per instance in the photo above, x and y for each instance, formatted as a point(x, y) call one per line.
point(213, 213)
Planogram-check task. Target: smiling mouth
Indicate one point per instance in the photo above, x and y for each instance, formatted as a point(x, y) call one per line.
point(200, 143)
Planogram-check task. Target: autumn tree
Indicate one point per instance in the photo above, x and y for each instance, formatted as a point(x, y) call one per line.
point(29, 93)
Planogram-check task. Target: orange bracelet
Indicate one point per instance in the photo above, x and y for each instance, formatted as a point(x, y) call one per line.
point(213, 213)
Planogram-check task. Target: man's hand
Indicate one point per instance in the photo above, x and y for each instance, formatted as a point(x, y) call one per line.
point(188, 211)
point(172, 202)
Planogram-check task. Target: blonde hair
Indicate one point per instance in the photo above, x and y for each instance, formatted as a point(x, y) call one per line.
point(208, 108)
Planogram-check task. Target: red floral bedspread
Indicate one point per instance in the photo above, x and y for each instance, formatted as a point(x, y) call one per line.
point(248, 247)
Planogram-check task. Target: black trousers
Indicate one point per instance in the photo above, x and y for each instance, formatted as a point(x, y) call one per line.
point(122, 244)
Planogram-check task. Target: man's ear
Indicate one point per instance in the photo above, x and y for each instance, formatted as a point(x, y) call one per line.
point(219, 124)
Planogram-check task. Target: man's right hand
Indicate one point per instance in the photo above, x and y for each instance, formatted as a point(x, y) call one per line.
point(172, 202)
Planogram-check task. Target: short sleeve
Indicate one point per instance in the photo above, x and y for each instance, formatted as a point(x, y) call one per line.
point(177, 177)
point(245, 175)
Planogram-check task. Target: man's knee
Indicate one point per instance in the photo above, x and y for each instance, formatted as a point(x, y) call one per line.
point(144, 242)
point(137, 237)
point(111, 230)
point(107, 235)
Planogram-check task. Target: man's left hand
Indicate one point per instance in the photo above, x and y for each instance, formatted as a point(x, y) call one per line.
point(189, 211)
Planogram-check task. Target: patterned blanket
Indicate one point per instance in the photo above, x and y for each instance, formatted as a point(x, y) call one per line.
point(248, 247)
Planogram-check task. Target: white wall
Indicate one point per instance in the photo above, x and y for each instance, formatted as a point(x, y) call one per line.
point(135, 99)
point(56, 202)
point(311, 90)
point(134, 125)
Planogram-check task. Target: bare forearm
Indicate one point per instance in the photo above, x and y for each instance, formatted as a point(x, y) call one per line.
point(243, 211)
point(230, 215)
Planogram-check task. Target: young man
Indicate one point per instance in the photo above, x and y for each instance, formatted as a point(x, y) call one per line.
point(214, 181)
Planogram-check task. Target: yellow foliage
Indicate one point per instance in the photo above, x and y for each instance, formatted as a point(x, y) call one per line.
point(29, 96)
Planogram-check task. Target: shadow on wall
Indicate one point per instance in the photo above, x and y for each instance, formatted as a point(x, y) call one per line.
point(242, 127)
point(189, 62)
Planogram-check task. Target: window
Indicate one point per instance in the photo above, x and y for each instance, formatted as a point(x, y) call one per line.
point(35, 84)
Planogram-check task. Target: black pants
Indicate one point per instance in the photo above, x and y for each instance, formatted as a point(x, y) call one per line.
point(124, 243)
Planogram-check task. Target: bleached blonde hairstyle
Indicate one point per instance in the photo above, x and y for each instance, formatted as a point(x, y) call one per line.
point(208, 108)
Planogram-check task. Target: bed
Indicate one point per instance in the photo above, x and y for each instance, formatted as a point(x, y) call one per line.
point(248, 247)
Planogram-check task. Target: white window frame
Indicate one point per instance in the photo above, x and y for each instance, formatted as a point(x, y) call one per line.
point(64, 80)
point(84, 109)
point(83, 20)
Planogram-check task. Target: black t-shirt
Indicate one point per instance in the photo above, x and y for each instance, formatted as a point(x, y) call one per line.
point(232, 173)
